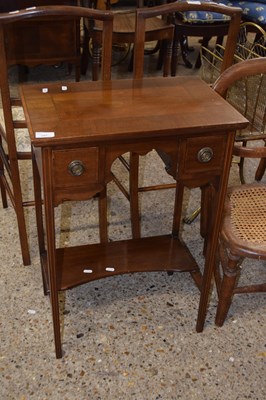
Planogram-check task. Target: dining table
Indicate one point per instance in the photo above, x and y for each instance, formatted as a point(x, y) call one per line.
point(79, 129)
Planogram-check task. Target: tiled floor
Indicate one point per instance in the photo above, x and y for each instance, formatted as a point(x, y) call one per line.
point(126, 337)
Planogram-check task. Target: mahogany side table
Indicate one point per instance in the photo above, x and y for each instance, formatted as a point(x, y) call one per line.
point(78, 130)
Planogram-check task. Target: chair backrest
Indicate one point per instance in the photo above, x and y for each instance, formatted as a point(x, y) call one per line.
point(142, 14)
point(43, 12)
point(13, 5)
point(238, 71)
point(14, 54)
point(32, 42)
point(249, 97)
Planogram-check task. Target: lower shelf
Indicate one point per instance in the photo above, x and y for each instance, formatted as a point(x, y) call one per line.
point(82, 264)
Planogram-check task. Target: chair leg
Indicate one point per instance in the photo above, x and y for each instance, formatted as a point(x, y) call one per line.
point(17, 202)
point(85, 52)
point(133, 192)
point(241, 165)
point(131, 61)
point(230, 264)
point(103, 216)
point(3, 194)
point(165, 56)
point(77, 72)
point(174, 53)
point(261, 169)
point(96, 57)
point(241, 170)
point(15, 195)
point(182, 41)
point(2, 186)
point(21, 226)
point(184, 51)
point(167, 53)
point(204, 43)
point(161, 55)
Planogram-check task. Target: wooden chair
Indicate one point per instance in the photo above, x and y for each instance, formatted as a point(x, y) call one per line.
point(33, 42)
point(156, 30)
point(248, 95)
point(243, 233)
point(143, 15)
point(10, 182)
point(203, 23)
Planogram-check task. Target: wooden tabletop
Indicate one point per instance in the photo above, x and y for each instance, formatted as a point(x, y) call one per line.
point(124, 109)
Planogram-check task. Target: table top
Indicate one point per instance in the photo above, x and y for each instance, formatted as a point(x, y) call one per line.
point(124, 109)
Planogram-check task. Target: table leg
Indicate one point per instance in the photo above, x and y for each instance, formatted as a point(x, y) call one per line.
point(51, 248)
point(213, 235)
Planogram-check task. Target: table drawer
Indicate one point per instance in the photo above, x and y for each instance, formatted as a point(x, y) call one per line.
point(204, 153)
point(75, 167)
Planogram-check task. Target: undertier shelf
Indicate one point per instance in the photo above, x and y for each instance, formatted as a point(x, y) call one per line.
point(82, 264)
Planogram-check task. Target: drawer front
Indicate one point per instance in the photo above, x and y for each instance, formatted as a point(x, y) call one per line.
point(204, 154)
point(75, 167)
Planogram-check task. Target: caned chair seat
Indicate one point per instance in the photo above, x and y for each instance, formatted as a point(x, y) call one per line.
point(245, 220)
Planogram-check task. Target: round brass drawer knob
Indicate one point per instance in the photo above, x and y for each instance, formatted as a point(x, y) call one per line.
point(76, 168)
point(205, 155)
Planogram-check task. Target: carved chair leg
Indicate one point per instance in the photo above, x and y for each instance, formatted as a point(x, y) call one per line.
point(230, 264)
point(167, 53)
point(96, 60)
point(85, 52)
point(174, 53)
